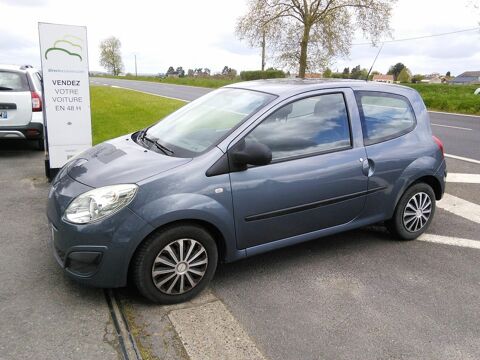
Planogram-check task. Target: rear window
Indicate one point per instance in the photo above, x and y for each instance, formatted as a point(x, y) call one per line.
point(13, 81)
point(384, 116)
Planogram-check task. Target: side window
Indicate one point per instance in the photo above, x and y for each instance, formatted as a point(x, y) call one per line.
point(384, 116)
point(37, 81)
point(307, 126)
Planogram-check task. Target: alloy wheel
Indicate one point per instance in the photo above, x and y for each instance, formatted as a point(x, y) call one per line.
point(417, 212)
point(179, 266)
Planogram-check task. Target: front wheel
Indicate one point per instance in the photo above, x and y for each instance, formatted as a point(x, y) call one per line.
point(175, 264)
point(414, 212)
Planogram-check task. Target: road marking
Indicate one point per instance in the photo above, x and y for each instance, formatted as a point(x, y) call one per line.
point(460, 207)
point(149, 93)
point(453, 127)
point(449, 240)
point(457, 114)
point(463, 178)
point(462, 158)
point(209, 331)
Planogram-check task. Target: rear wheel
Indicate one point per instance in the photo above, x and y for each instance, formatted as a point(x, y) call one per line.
point(414, 212)
point(175, 264)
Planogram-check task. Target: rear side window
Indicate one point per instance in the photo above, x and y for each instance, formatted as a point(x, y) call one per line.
point(13, 81)
point(37, 81)
point(307, 126)
point(384, 116)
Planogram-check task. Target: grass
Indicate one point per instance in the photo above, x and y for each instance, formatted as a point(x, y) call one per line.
point(116, 112)
point(208, 82)
point(449, 98)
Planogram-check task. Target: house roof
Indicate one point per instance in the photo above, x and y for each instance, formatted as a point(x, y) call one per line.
point(470, 74)
point(383, 77)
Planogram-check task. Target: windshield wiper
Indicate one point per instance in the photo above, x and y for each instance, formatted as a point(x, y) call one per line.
point(165, 149)
point(159, 146)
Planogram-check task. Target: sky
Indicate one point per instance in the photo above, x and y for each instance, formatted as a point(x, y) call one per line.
point(193, 33)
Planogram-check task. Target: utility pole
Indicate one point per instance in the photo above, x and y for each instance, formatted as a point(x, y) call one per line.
point(136, 75)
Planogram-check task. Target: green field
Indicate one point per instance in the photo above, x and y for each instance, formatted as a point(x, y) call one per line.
point(449, 98)
point(116, 111)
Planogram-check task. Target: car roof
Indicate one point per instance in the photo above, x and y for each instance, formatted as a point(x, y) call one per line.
point(292, 86)
point(21, 68)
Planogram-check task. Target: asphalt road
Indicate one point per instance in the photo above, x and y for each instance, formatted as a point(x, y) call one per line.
point(459, 133)
point(360, 294)
point(43, 315)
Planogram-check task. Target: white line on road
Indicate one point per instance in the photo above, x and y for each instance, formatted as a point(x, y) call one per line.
point(149, 93)
point(448, 240)
point(463, 178)
point(462, 158)
point(457, 114)
point(452, 127)
point(460, 207)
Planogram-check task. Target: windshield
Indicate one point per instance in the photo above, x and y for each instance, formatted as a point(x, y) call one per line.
point(201, 124)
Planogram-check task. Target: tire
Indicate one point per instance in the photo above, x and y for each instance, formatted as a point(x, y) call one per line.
point(407, 223)
point(39, 144)
point(155, 254)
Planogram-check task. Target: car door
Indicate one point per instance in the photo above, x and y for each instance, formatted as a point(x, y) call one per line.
point(315, 180)
point(387, 120)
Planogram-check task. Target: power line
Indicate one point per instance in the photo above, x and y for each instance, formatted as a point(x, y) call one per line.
point(422, 37)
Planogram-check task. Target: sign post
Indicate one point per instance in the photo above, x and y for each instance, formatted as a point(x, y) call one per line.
point(66, 93)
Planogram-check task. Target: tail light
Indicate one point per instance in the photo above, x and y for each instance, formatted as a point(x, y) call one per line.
point(36, 102)
point(439, 144)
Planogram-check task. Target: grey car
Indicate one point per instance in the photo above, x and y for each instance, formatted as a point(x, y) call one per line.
point(245, 169)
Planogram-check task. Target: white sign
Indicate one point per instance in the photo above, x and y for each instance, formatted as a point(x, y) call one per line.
point(64, 55)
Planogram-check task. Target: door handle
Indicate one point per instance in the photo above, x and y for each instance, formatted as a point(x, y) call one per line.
point(368, 167)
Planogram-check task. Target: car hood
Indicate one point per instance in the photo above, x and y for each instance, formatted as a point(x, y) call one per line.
point(119, 161)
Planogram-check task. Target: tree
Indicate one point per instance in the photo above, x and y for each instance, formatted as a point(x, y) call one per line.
point(395, 70)
point(404, 76)
point(110, 55)
point(171, 70)
point(417, 78)
point(346, 73)
point(228, 71)
point(448, 74)
point(180, 71)
point(309, 33)
point(327, 73)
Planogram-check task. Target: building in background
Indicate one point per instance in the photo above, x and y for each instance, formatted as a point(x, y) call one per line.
point(383, 78)
point(468, 77)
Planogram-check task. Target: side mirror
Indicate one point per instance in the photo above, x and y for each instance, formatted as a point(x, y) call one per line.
point(250, 153)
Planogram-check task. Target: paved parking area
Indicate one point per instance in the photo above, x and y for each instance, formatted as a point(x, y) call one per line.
point(43, 315)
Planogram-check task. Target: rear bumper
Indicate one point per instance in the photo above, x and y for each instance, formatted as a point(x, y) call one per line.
point(31, 131)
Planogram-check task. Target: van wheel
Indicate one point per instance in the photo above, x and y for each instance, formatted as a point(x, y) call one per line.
point(175, 264)
point(39, 144)
point(414, 212)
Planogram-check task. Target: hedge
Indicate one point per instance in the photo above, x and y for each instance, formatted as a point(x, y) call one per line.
point(259, 74)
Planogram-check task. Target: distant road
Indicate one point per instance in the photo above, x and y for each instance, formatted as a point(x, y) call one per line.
point(460, 134)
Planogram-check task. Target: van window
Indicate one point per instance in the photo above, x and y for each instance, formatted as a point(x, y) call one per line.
point(384, 116)
point(307, 126)
point(13, 81)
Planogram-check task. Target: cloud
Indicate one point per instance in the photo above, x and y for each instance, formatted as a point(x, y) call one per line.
point(25, 2)
point(230, 43)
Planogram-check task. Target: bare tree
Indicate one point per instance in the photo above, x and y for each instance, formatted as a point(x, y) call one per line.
point(309, 33)
point(110, 56)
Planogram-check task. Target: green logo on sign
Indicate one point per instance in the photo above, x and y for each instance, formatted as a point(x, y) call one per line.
point(60, 45)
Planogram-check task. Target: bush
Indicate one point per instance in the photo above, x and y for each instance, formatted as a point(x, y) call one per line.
point(259, 74)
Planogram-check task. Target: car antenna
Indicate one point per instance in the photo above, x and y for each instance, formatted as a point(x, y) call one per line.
point(371, 67)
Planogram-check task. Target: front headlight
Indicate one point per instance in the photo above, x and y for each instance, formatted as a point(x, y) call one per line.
point(99, 203)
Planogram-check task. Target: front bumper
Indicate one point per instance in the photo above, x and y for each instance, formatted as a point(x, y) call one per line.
point(96, 254)
point(31, 131)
